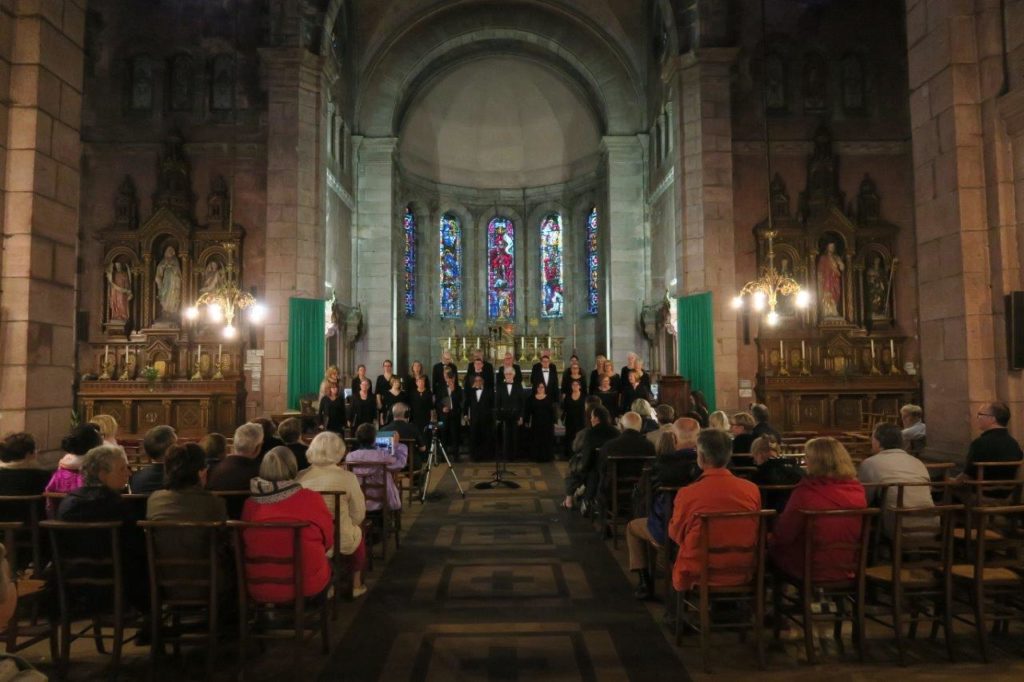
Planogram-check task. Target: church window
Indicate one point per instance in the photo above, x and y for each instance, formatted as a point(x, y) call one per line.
point(222, 83)
point(141, 95)
point(552, 301)
point(501, 269)
point(592, 262)
point(451, 267)
point(409, 261)
point(181, 83)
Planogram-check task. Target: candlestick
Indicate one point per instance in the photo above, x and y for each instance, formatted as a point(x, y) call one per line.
point(872, 349)
point(549, 342)
point(106, 354)
point(463, 343)
point(892, 350)
point(803, 351)
point(220, 353)
point(449, 343)
point(477, 342)
point(783, 370)
point(534, 343)
point(522, 343)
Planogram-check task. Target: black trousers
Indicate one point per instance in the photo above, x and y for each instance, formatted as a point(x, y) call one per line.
point(480, 432)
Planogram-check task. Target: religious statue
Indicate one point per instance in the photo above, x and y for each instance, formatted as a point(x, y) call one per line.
point(775, 83)
point(168, 284)
point(119, 291)
point(877, 281)
point(213, 277)
point(830, 281)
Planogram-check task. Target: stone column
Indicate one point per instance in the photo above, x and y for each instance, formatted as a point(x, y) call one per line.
point(951, 225)
point(295, 232)
point(41, 64)
point(705, 195)
point(374, 258)
point(626, 268)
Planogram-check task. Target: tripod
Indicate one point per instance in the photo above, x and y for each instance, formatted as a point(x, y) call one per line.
point(508, 421)
point(436, 446)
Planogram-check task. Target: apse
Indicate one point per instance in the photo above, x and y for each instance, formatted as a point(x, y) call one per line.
point(499, 122)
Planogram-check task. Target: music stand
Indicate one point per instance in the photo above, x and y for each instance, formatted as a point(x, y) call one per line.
point(507, 417)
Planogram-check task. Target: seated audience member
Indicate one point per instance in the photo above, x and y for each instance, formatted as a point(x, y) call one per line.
point(235, 471)
point(913, 428)
point(773, 469)
point(583, 467)
point(406, 429)
point(290, 431)
point(270, 440)
point(831, 483)
point(681, 467)
point(68, 475)
point(665, 414)
point(12, 668)
point(19, 472)
point(653, 528)
point(107, 426)
point(366, 435)
point(325, 453)
point(719, 420)
point(742, 430)
point(156, 442)
point(762, 427)
point(891, 464)
point(630, 443)
point(700, 406)
point(104, 478)
point(277, 496)
point(717, 490)
point(185, 498)
point(995, 444)
point(647, 414)
point(215, 445)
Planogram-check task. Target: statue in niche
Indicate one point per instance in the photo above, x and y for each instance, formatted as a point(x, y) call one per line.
point(125, 205)
point(822, 173)
point(775, 83)
point(168, 284)
point(213, 277)
point(786, 303)
point(830, 281)
point(815, 83)
point(868, 202)
point(142, 83)
point(222, 91)
point(877, 280)
point(119, 291)
point(853, 84)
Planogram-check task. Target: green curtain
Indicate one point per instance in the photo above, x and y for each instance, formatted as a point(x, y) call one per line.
point(305, 348)
point(697, 344)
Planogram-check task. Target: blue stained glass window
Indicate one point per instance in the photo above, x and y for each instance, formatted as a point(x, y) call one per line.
point(592, 262)
point(451, 267)
point(501, 269)
point(409, 261)
point(552, 294)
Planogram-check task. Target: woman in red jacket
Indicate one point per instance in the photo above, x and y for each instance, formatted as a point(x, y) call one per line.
point(831, 483)
point(277, 496)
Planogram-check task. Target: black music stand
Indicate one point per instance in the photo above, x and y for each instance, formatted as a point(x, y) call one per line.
point(507, 417)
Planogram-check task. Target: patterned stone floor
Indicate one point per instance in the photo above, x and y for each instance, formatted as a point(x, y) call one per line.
point(502, 585)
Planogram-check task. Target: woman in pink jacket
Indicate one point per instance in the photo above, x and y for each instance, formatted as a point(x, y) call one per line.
point(277, 496)
point(831, 483)
point(68, 475)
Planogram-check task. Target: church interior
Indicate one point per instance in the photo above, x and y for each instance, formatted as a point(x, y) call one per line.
point(795, 225)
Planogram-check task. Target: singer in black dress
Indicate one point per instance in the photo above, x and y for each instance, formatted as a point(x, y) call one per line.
point(364, 407)
point(389, 398)
point(421, 405)
point(540, 415)
point(572, 410)
point(331, 415)
point(573, 373)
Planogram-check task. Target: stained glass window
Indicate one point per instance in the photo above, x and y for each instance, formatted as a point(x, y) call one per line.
point(501, 269)
point(592, 262)
point(551, 302)
point(451, 267)
point(409, 261)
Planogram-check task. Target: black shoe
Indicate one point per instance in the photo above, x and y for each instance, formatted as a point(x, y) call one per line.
point(645, 587)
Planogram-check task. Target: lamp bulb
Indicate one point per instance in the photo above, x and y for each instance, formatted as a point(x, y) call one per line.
point(773, 318)
point(191, 313)
point(230, 331)
point(215, 312)
point(737, 302)
point(257, 313)
point(803, 298)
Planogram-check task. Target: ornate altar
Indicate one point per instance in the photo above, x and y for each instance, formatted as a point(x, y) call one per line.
point(501, 339)
point(151, 362)
point(825, 366)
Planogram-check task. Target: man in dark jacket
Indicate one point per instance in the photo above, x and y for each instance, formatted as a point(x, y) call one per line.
point(448, 405)
point(995, 444)
point(290, 431)
point(762, 427)
point(545, 372)
point(236, 470)
point(480, 411)
point(508, 405)
point(479, 367)
point(439, 368)
point(155, 444)
point(630, 443)
point(407, 430)
point(583, 470)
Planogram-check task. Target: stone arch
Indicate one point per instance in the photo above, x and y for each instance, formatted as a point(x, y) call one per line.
point(409, 58)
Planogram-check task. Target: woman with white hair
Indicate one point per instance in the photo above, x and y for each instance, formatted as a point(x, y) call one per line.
point(324, 474)
point(277, 496)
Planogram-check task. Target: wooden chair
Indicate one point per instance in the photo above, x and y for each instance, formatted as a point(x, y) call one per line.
point(749, 573)
point(624, 473)
point(994, 580)
point(101, 575)
point(26, 511)
point(251, 611)
point(32, 594)
point(372, 478)
point(183, 587)
point(335, 499)
point(919, 572)
point(407, 479)
point(234, 500)
point(808, 587)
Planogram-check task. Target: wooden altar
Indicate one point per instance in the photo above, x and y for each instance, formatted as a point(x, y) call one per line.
point(193, 408)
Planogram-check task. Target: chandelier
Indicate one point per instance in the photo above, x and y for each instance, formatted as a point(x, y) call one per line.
point(764, 291)
point(225, 300)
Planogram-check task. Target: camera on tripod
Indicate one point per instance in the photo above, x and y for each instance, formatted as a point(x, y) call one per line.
point(434, 426)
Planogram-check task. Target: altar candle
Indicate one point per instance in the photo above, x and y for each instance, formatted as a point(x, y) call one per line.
point(463, 343)
point(522, 342)
point(449, 343)
point(549, 342)
point(782, 353)
point(892, 351)
point(872, 349)
point(199, 353)
point(803, 351)
point(477, 342)
point(220, 351)
point(535, 343)
point(106, 353)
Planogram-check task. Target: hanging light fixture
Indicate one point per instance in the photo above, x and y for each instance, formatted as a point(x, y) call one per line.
point(763, 292)
point(225, 301)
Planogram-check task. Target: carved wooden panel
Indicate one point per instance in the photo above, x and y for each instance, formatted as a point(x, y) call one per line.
point(115, 408)
point(812, 411)
point(150, 413)
point(187, 416)
point(848, 411)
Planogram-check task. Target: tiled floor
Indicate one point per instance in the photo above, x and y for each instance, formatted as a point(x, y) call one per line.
point(503, 585)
